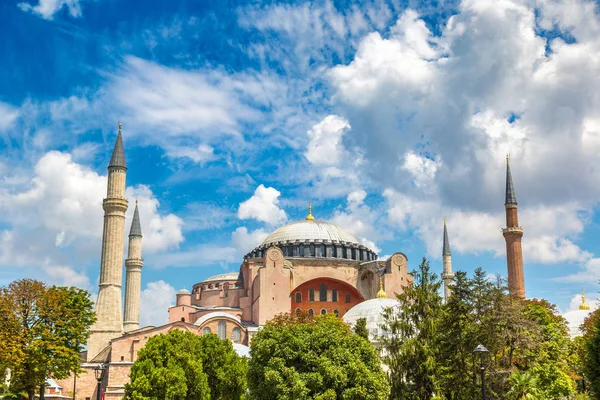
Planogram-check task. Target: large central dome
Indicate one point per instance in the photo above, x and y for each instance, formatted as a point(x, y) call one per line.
point(317, 239)
point(310, 231)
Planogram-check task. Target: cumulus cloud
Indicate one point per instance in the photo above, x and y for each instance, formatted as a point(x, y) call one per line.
point(155, 301)
point(575, 302)
point(263, 206)
point(325, 147)
point(47, 8)
point(244, 241)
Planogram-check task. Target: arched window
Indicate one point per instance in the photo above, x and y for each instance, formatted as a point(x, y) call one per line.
point(236, 335)
point(322, 292)
point(337, 313)
point(334, 295)
point(323, 311)
point(298, 297)
point(347, 298)
point(298, 311)
point(312, 250)
point(206, 330)
point(311, 294)
point(311, 312)
point(222, 329)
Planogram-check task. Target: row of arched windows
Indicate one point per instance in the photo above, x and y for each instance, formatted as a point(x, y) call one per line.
point(236, 333)
point(323, 311)
point(322, 295)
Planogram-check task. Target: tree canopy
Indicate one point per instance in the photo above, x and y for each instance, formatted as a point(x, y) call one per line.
point(297, 358)
point(182, 366)
point(42, 330)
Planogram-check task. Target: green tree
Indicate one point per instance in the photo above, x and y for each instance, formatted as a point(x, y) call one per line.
point(183, 366)
point(592, 356)
point(524, 386)
point(411, 355)
point(360, 328)
point(300, 358)
point(48, 324)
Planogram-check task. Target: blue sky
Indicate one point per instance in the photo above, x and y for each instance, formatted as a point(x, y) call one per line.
point(388, 115)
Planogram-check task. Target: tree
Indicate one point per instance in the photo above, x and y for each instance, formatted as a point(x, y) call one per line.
point(413, 329)
point(183, 366)
point(297, 358)
point(524, 386)
point(360, 328)
point(43, 328)
point(592, 357)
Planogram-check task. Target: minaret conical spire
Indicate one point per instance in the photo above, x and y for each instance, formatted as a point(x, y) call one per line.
point(118, 155)
point(446, 247)
point(511, 197)
point(136, 228)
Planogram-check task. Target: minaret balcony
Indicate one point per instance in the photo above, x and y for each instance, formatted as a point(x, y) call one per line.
point(512, 229)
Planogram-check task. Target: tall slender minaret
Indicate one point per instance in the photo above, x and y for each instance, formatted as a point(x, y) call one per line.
point(513, 234)
point(109, 323)
point(447, 275)
point(133, 275)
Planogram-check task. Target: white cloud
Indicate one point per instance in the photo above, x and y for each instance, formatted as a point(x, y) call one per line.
point(47, 8)
point(8, 115)
point(155, 301)
point(263, 206)
point(325, 147)
point(201, 154)
point(244, 241)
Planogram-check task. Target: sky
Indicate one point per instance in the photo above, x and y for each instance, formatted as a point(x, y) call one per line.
point(387, 115)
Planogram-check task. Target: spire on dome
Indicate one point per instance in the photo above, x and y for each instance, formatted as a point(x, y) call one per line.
point(511, 198)
point(446, 247)
point(118, 155)
point(136, 228)
point(381, 294)
point(310, 217)
point(583, 305)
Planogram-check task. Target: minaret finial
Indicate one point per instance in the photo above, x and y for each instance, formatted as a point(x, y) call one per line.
point(310, 217)
point(120, 126)
point(381, 294)
point(507, 158)
point(583, 305)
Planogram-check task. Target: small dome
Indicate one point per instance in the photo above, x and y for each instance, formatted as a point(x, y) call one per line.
point(310, 231)
point(228, 276)
point(183, 291)
point(575, 319)
point(372, 311)
point(241, 350)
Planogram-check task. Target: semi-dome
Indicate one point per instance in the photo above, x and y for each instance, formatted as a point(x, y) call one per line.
point(312, 238)
point(372, 311)
point(228, 276)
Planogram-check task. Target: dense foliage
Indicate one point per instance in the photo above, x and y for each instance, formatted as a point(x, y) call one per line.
point(430, 343)
point(42, 330)
point(183, 366)
point(591, 357)
point(297, 358)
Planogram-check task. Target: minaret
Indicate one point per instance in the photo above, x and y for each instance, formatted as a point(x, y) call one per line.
point(513, 234)
point(109, 323)
point(133, 275)
point(447, 275)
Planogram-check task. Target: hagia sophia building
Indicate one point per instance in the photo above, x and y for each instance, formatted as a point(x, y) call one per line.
point(308, 265)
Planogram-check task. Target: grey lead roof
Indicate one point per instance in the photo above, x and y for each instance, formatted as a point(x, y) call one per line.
point(118, 154)
point(511, 197)
point(446, 250)
point(136, 229)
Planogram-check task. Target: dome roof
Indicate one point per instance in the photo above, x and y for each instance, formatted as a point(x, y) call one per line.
point(575, 319)
point(228, 276)
point(372, 311)
point(241, 350)
point(310, 231)
point(183, 291)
